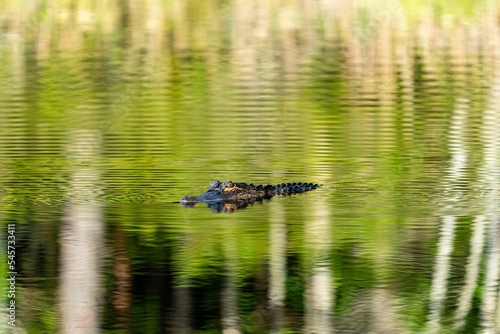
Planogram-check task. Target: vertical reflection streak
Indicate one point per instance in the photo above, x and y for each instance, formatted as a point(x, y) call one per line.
point(319, 290)
point(182, 318)
point(458, 149)
point(471, 271)
point(441, 272)
point(489, 309)
point(122, 271)
point(230, 313)
point(277, 267)
point(491, 289)
point(81, 241)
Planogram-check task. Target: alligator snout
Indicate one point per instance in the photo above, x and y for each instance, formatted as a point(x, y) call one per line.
point(188, 200)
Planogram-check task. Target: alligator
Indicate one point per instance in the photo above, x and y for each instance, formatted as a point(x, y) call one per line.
point(229, 196)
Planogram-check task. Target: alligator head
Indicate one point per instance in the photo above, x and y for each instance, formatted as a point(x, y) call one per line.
point(219, 191)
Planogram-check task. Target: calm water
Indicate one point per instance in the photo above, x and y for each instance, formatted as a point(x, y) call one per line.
point(110, 112)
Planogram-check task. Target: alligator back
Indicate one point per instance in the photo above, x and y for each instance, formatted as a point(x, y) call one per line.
point(293, 188)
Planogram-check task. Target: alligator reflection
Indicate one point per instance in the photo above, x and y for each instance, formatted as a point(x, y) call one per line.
point(229, 196)
point(226, 206)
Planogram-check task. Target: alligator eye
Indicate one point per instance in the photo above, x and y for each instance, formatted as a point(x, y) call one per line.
point(230, 184)
point(214, 184)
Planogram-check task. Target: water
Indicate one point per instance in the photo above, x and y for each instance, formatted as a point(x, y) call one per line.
point(110, 112)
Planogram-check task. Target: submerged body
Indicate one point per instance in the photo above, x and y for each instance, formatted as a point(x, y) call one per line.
point(229, 195)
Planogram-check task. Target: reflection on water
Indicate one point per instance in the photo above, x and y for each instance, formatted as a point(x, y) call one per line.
point(110, 111)
point(319, 289)
point(81, 239)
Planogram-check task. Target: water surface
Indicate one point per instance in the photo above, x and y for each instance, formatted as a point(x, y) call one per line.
point(109, 115)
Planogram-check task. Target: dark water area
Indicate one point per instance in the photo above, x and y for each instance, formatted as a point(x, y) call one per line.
point(111, 112)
